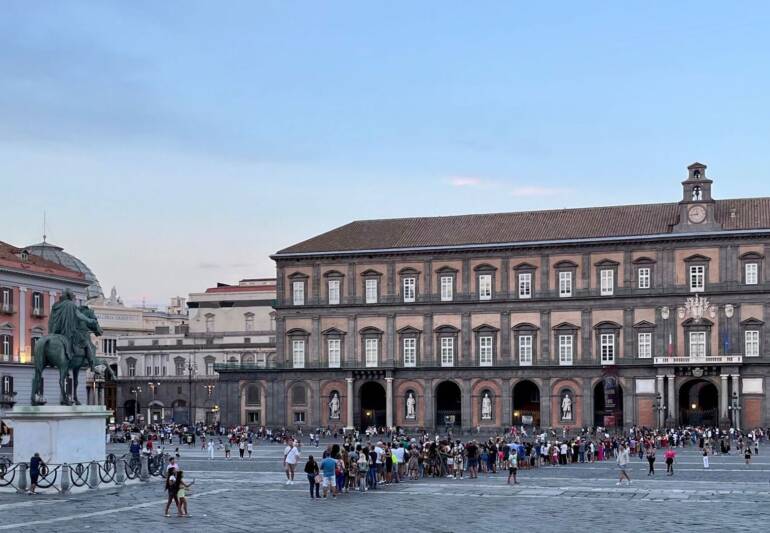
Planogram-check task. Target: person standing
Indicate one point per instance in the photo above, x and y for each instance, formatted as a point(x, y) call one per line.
point(651, 459)
point(35, 464)
point(250, 448)
point(622, 461)
point(670, 455)
point(181, 494)
point(747, 454)
point(211, 449)
point(242, 447)
point(329, 467)
point(311, 469)
point(705, 459)
point(290, 462)
point(513, 467)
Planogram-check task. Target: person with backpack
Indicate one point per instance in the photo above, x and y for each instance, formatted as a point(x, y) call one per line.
point(312, 471)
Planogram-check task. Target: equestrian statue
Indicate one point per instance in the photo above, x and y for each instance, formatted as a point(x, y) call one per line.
point(67, 347)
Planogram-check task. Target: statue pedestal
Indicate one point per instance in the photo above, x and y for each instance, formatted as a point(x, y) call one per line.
point(59, 433)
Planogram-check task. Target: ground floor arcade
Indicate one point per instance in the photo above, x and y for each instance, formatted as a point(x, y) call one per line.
point(469, 399)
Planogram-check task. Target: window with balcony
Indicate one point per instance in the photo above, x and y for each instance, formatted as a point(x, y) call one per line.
point(6, 386)
point(566, 349)
point(6, 347)
point(298, 292)
point(697, 345)
point(607, 348)
point(525, 285)
point(6, 300)
point(644, 345)
point(751, 343)
point(334, 347)
point(485, 286)
point(409, 351)
point(179, 366)
point(371, 349)
point(409, 286)
point(334, 291)
point(37, 304)
point(371, 286)
point(298, 353)
point(131, 367)
point(606, 282)
point(643, 277)
point(447, 351)
point(486, 344)
point(751, 273)
point(525, 343)
point(565, 284)
point(447, 288)
point(208, 361)
point(525, 350)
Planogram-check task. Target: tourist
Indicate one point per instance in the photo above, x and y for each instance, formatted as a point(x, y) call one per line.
point(670, 455)
point(211, 449)
point(172, 487)
point(35, 465)
point(228, 447)
point(329, 468)
point(250, 448)
point(181, 492)
point(312, 471)
point(651, 459)
point(513, 467)
point(705, 459)
point(242, 447)
point(363, 469)
point(622, 461)
point(290, 458)
point(747, 454)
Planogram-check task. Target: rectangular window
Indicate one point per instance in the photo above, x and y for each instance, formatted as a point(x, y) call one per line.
point(525, 285)
point(485, 351)
point(752, 273)
point(299, 417)
point(447, 286)
point(334, 292)
point(298, 354)
point(565, 350)
point(298, 293)
point(6, 347)
point(485, 287)
point(645, 345)
point(525, 350)
point(179, 368)
point(697, 278)
point(697, 345)
point(410, 285)
point(371, 291)
point(606, 282)
point(131, 370)
point(157, 370)
point(643, 276)
point(148, 371)
point(607, 347)
point(6, 300)
point(370, 349)
point(37, 303)
point(410, 352)
point(334, 353)
point(752, 344)
point(447, 351)
point(565, 284)
point(210, 367)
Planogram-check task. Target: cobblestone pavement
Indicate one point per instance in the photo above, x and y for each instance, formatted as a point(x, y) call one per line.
point(251, 495)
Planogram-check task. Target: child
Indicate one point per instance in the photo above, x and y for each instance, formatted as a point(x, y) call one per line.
point(458, 460)
point(182, 494)
point(747, 455)
point(513, 467)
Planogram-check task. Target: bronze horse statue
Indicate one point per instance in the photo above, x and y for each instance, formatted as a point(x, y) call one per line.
point(57, 351)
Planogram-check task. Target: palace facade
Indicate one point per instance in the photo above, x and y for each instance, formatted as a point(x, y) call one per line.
point(607, 316)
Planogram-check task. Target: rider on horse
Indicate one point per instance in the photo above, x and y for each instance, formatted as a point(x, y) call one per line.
point(68, 319)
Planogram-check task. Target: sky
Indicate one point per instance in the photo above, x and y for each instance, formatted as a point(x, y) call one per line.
point(173, 145)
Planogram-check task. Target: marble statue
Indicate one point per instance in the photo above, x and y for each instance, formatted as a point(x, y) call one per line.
point(486, 407)
point(334, 407)
point(566, 407)
point(411, 405)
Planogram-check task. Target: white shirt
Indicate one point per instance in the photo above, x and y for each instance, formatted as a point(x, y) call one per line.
point(379, 451)
point(292, 456)
point(399, 452)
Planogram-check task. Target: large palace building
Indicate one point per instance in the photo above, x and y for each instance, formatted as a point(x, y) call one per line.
point(609, 316)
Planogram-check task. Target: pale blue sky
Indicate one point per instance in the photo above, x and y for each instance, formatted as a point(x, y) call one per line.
point(177, 144)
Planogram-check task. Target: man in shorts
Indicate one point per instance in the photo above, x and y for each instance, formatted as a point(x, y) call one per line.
point(513, 465)
point(290, 461)
point(623, 460)
point(328, 469)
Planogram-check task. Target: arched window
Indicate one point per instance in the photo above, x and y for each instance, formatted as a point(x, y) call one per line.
point(131, 367)
point(253, 396)
point(298, 395)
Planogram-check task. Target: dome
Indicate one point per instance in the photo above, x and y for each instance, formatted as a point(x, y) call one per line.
point(56, 254)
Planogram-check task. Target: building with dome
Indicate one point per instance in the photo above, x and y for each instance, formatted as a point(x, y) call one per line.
point(56, 254)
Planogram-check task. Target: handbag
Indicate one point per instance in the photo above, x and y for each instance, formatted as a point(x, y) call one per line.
point(318, 479)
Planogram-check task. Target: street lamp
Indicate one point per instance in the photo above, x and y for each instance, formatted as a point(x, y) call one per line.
point(136, 391)
point(735, 407)
point(192, 369)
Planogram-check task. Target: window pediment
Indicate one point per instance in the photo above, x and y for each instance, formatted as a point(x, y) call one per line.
point(299, 276)
point(408, 271)
point(525, 266)
point(446, 270)
point(370, 330)
point(485, 328)
point(7, 326)
point(565, 326)
point(333, 332)
point(607, 324)
point(370, 272)
point(525, 326)
point(748, 256)
point(607, 263)
point(484, 267)
point(643, 261)
point(752, 322)
point(297, 332)
point(691, 322)
point(409, 330)
point(565, 264)
point(697, 258)
point(643, 324)
point(446, 329)
point(333, 274)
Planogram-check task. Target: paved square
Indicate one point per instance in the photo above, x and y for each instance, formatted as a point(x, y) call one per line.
point(250, 495)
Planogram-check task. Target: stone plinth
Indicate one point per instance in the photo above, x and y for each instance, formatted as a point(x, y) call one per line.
point(59, 433)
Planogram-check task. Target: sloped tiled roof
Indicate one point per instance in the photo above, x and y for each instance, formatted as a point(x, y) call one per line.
point(526, 226)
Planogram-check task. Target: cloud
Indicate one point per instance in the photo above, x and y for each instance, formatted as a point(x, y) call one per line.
point(464, 181)
point(518, 191)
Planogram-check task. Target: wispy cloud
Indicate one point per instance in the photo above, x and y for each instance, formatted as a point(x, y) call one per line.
point(515, 190)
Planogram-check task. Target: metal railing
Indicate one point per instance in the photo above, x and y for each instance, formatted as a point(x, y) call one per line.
point(710, 360)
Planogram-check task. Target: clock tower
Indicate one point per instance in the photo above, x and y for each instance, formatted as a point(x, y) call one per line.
point(696, 210)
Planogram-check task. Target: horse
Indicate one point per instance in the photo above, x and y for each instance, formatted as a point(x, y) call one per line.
point(55, 351)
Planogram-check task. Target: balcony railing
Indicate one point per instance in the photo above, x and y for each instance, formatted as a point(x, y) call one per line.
point(38, 313)
point(710, 360)
point(7, 309)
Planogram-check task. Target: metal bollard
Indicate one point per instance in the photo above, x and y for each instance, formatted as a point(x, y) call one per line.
point(144, 473)
point(93, 475)
point(120, 474)
point(66, 481)
point(22, 473)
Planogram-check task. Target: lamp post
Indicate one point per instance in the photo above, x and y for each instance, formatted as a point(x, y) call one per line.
point(209, 393)
point(735, 407)
point(136, 391)
point(192, 369)
point(154, 388)
point(660, 408)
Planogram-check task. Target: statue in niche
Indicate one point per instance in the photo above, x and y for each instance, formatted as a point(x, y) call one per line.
point(486, 407)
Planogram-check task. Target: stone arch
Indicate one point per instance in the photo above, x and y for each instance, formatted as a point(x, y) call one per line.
point(294, 406)
point(448, 401)
point(495, 390)
point(327, 388)
point(253, 407)
point(400, 396)
point(574, 386)
point(698, 401)
point(526, 399)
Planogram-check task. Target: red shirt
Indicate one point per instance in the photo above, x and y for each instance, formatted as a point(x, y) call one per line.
point(670, 454)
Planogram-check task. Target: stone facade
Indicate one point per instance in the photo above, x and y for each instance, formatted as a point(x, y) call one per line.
point(554, 332)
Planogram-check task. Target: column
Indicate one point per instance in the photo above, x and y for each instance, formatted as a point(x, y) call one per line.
point(661, 393)
point(737, 390)
point(350, 402)
point(316, 352)
point(390, 339)
point(723, 397)
point(545, 403)
point(389, 402)
point(22, 322)
point(507, 418)
point(672, 415)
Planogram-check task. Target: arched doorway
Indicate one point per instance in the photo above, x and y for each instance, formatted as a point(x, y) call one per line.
point(448, 404)
point(372, 405)
point(608, 403)
point(699, 403)
point(526, 404)
point(130, 409)
point(156, 412)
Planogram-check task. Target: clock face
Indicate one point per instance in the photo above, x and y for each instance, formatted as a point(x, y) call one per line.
point(697, 214)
